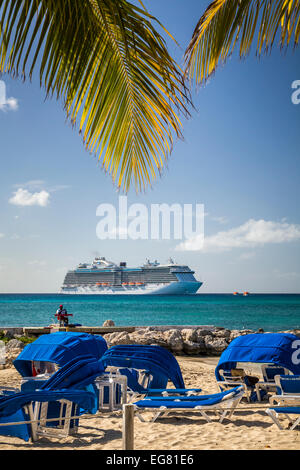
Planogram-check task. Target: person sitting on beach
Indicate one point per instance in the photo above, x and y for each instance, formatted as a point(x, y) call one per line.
point(62, 316)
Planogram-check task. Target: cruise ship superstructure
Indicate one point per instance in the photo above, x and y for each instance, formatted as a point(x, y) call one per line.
point(106, 277)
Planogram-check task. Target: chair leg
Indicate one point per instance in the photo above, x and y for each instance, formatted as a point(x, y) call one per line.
point(68, 413)
point(29, 409)
point(247, 392)
point(61, 412)
point(274, 417)
point(234, 406)
point(223, 416)
point(295, 424)
point(257, 392)
point(230, 410)
point(35, 417)
point(157, 415)
point(139, 415)
point(208, 419)
point(154, 417)
point(63, 428)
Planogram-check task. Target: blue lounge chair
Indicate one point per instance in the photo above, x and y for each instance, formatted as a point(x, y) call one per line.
point(58, 349)
point(230, 378)
point(287, 390)
point(78, 374)
point(148, 369)
point(274, 349)
point(287, 400)
point(157, 354)
point(286, 411)
point(269, 371)
point(74, 379)
point(21, 407)
point(226, 401)
point(87, 374)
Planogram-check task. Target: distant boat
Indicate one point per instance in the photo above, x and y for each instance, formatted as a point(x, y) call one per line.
point(246, 293)
point(106, 277)
point(236, 293)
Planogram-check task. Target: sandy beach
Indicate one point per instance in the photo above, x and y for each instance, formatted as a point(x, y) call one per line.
point(248, 429)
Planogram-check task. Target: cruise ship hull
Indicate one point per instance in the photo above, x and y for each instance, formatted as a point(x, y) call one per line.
point(174, 288)
point(104, 277)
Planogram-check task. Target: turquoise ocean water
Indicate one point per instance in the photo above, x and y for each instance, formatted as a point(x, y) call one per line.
point(272, 312)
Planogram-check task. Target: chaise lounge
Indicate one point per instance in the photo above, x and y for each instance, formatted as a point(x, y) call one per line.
point(224, 402)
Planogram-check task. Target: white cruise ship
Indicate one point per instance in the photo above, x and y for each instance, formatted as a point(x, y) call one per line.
point(106, 277)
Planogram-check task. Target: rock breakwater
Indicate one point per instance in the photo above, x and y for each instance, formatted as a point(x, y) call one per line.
point(191, 341)
point(180, 340)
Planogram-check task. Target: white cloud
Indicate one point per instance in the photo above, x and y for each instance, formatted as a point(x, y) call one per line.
point(247, 255)
point(251, 234)
point(11, 104)
point(22, 197)
point(38, 185)
point(1, 235)
point(7, 104)
point(59, 187)
point(61, 270)
point(221, 220)
point(288, 275)
point(32, 184)
point(36, 262)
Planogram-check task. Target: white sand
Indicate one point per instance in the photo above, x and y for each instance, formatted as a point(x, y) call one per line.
point(178, 431)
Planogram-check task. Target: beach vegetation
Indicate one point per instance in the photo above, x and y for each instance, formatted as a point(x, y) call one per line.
point(27, 339)
point(24, 339)
point(4, 338)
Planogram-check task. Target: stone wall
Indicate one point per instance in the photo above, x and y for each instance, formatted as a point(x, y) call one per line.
point(191, 341)
point(12, 349)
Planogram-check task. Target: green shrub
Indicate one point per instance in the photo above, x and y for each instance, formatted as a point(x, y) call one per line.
point(24, 339)
point(4, 338)
point(27, 339)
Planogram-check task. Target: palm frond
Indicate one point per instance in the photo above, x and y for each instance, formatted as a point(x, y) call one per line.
point(111, 68)
point(228, 23)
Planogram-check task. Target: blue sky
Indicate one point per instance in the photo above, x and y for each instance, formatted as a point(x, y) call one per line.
point(240, 158)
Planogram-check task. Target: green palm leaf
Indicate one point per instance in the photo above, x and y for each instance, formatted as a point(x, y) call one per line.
point(226, 23)
point(112, 70)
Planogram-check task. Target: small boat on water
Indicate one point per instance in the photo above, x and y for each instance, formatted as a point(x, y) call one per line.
point(244, 293)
